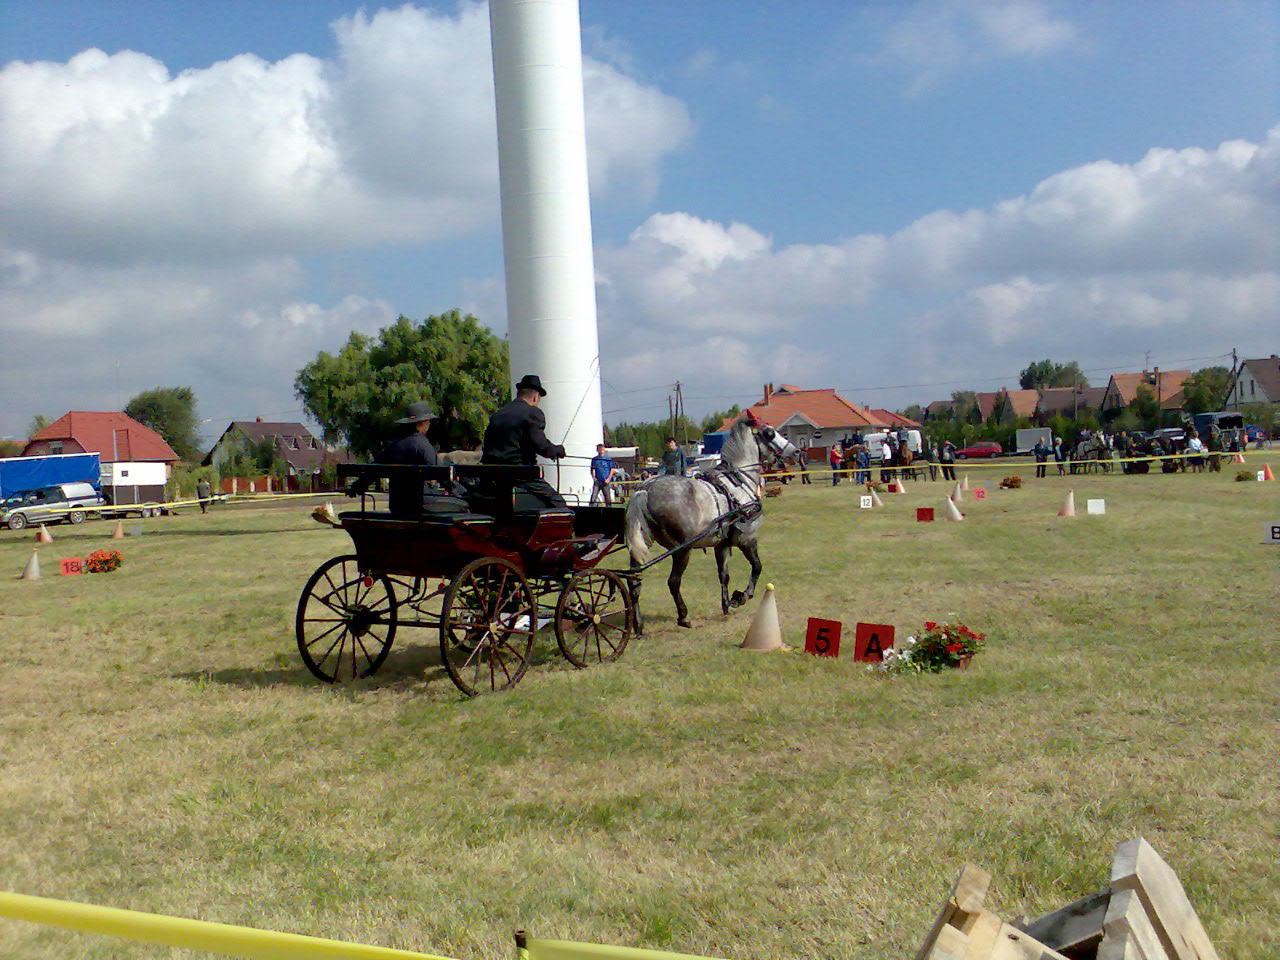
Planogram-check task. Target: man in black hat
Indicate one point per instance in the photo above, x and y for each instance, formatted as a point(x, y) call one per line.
point(516, 437)
point(405, 496)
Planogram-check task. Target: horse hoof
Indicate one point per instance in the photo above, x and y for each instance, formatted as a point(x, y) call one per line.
point(683, 623)
point(738, 599)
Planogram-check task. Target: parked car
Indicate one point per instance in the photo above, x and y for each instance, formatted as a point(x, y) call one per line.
point(72, 502)
point(983, 448)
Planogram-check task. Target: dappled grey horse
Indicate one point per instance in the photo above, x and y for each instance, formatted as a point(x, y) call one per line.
point(719, 509)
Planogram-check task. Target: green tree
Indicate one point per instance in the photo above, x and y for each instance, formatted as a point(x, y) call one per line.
point(170, 412)
point(451, 361)
point(1046, 373)
point(964, 406)
point(712, 421)
point(1146, 408)
point(1206, 390)
point(914, 412)
point(38, 423)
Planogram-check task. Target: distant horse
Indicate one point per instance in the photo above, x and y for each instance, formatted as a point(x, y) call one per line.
point(720, 509)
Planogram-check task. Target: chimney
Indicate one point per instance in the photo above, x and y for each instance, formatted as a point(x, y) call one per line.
point(768, 392)
point(257, 419)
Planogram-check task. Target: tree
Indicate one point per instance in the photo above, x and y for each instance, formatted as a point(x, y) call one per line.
point(1206, 390)
point(712, 421)
point(38, 423)
point(1046, 373)
point(915, 412)
point(450, 361)
point(170, 412)
point(1146, 408)
point(964, 405)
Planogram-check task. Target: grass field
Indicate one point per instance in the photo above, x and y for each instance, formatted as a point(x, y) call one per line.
point(164, 750)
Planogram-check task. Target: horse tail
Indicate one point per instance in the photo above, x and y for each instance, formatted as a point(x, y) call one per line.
point(637, 524)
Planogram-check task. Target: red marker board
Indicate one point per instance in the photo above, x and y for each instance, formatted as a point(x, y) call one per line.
point(870, 640)
point(70, 566)
point(979, 494)
point(822, 637)
point(924, 514)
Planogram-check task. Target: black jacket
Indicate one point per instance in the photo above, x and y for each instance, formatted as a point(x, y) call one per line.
point(515, 436)
point(404, 497)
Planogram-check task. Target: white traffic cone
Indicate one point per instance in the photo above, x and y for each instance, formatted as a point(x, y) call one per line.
point(1069, 507)
point(32, 570)
point(764, 633)
point(875, 498)
point(951, 510)
point(964, 483)
point(956, 495)
point(43, 535)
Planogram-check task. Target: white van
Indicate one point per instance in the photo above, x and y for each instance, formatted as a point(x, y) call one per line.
point(875, 441)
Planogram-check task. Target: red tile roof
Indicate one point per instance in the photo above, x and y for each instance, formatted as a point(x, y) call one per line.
point(1124, 386)
point(115, 437)
point(821, 408)
point(891, 419)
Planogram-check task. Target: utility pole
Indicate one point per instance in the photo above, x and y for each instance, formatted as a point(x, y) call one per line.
point(1231, 391)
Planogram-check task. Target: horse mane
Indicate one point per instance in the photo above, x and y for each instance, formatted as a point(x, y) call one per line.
point(739, 449)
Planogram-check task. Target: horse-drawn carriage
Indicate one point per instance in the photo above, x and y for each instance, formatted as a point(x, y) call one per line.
point(487, 581)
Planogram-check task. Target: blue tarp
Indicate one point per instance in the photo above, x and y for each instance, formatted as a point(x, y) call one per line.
point(27, 473)
point(712, 442)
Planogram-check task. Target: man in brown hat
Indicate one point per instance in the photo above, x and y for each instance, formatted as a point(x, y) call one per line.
point(516, 436)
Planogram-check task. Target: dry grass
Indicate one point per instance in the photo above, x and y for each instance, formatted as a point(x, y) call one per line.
point(164, 750)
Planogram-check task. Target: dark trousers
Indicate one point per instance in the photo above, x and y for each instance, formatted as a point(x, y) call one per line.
point(537, 494)
point(948, 471)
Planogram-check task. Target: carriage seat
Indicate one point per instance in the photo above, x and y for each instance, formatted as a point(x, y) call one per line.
point(462, 514)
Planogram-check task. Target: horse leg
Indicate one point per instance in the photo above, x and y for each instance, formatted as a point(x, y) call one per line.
point(679, 561)
point(752, 552)
point(722, 574)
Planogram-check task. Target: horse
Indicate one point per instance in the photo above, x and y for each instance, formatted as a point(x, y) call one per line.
point(719, 509)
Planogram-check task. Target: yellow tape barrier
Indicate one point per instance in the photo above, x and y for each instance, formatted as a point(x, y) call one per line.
point(568, 950)
point(218, 938)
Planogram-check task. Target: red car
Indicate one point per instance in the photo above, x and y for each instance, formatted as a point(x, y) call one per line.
point(983, 448)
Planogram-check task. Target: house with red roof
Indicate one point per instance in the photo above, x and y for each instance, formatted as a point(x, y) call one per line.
point(1009, 403)
point(1165, 385)
point(816, 419)
point(293, 443)
point(114, 437)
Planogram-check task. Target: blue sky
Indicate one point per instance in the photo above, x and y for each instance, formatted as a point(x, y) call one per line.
point(894, 199)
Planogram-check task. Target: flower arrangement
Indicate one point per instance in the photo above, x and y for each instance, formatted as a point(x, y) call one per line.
point(1011, 483)
point(939, 645)
point(103, 561)
point(1243, 476)
point(324, 514)
point(875, 485)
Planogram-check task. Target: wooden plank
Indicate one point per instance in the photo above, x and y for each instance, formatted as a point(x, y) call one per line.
point(1139, 868)
point(1013, 944)
point(950, 944)
point(1127, 922)
point(960, 908)
point(982, 936)
point(1076, 926)
point(1118, 948)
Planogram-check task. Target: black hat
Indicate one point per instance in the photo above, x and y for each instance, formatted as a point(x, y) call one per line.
point(417, 412)
point(531, 381)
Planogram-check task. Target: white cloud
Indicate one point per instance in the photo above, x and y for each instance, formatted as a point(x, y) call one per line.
point(1103, 260)
point(934, 37)
point(110, 157)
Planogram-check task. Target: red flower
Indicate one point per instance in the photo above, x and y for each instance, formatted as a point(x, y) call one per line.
point(954, 647)
point(930, 625)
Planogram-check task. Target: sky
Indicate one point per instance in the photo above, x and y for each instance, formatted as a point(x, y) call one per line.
point(895, 199)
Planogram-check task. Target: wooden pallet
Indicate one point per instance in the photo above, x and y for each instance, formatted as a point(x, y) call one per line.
point(1143, 915)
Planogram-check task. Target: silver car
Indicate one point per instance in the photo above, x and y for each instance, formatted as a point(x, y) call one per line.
point(72, 502)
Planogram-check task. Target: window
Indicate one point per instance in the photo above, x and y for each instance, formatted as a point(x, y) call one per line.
point(293, 443)
point(55, 447)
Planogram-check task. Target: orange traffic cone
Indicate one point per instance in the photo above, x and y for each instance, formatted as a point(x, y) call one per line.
point(118, 532)
point(951, 510)
point(956, 495)
point(43, 535)
point(765, 634)
point(32, 570)
point(1266, 472)
point(1069, 507)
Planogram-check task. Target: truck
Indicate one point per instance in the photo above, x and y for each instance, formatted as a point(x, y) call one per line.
point(1024, 441)
point(33, 473)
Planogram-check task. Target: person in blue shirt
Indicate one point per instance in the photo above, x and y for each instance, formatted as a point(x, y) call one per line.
point(603, 469)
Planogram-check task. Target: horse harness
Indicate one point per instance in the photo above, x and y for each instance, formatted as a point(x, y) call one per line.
point(739, 490)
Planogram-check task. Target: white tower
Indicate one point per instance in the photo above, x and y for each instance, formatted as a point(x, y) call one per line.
point(546, 221)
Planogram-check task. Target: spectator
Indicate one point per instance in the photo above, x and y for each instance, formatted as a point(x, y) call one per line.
point(947, 458)
point(203, 492)
point(603, 471)
point(674, 462)
point(1041, 453)
point(833, 458)
point(863, 460)
point(1060, 456)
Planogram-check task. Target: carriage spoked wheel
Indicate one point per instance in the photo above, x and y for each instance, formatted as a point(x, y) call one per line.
point(487, 626)
point(346, 621)
point(594, 618)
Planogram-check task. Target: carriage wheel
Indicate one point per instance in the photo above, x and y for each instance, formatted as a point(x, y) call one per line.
point(487, 626)
point(346, 621)
point(595, 618)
